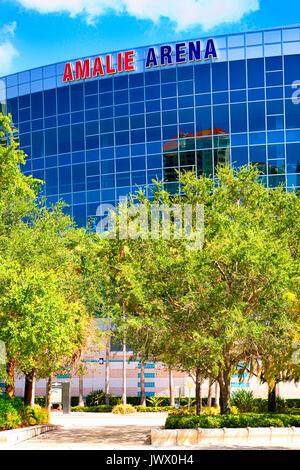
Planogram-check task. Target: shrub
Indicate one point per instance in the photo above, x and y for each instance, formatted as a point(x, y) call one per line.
point(41, 401)
point(96, 398)
point(92, 409)
point(243, 400)
point(232, 421)
point(41, 415)
point(151, 409)
point(123, 409)
point(9, 416)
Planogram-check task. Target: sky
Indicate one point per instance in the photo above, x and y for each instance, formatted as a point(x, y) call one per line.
point(41, 32)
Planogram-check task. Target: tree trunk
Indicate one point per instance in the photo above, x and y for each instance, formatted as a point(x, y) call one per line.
point(272, 399)
point(224, 382)
point(10, 381)
point(198, 392)
point(209, 395)
point(28, 391)
point(48, 393)
point(80, 391)
point(107, 364)
point(142, 381)
point(171, 387)
point(216, 404)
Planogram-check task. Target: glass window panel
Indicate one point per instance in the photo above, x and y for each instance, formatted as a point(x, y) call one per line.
point(168, 75)
point(186, 88)
point(237, 71)
point(274, 92)
point(202, 79)
point(123, 164)
point(121, 82)
point(123, 179)
point(121, 97)
point(220, 76)
point(137, 136)
point(170, 132)
point(169, 117)
point(291, 68)
point(274, 78)
point(137, 94)
point(256, 94)
point(138, 178)
point(276, 151)
point(221, 156)
point(258, 156)
point(293, 158)
point(64, 144)
point(63, 100)
point(106, 99)
point(185, 73)
point(105, 85)
point(152, 92)
point(138, 163)
point(153, 119)
point(37, 144)
point(91, 88)
point(276, 167)
point(92, 128)
point(137, 122)
point(220, 98)
point(186, 115)
point(107, 140)
point(138, 149)
point(204, 162)
point(256, 116)
point(256, 75)
point(65, 180)
point(78, 177)
point(51, 181)
point(107, 166)
point(275, 107)
point(91, 102)
point(37, 105)
point(122, 123)
point(136, 80)
point(275, 122)
point(202, 100)
point(77, 97)
point(239, 156)
point(203, 118)
point(292, 111)
point(272, 36)
point(106, 125)
point(153, 134)
point(92, 142)
point(154, 161)
point(77, 137)
point(169, 90)
point(238, 113)
point(50, 142)
point(151, 78)
point(121, 110)
point(221, 118)
point(257, 138)
point(138, 108)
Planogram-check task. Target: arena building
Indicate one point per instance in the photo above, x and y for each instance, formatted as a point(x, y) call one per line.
point(95, 128)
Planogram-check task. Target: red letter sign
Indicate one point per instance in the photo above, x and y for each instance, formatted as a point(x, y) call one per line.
point(68, 74)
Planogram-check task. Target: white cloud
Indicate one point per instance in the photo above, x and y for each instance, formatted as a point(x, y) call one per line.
point(7, 54)
point(183, 13)
point(7, 51)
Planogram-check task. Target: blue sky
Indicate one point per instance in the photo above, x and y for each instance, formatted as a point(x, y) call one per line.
point(40, 32)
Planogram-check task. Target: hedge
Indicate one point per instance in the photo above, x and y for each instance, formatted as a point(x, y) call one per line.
point(252, 420)
point(14, 414)
point(93, 409)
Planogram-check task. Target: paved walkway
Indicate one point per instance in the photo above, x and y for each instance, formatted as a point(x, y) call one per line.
point(96, 431)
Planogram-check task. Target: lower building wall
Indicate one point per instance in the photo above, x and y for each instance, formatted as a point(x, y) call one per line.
point(156, 380)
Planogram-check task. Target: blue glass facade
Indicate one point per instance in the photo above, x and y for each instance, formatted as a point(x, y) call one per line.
point(95, 140)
